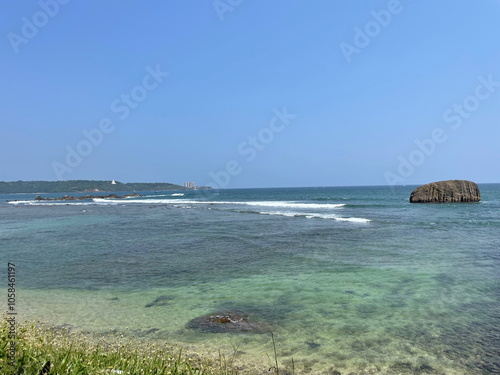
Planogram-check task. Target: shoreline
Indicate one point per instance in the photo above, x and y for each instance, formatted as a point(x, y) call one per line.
point(246, 359)
point(57, 339)
point(194, 359)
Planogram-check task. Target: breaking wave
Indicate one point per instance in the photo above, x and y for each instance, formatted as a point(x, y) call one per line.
point(327, 211)
point(309, 215)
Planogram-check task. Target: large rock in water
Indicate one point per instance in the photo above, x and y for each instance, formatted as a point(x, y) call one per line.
point(446, 192)
point(228, 322)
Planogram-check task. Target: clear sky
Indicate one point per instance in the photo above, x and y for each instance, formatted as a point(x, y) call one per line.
point(250, 93)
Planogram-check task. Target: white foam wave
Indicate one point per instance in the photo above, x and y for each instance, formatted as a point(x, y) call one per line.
point(36, 203)
point(151, 196)
point(295, 205)
point(353, 219)
point(121, 201)
point(271, 204)
point(158, 195)
point(311, 215)
point(279, 213)
point(255, 203)
point(20, 202)
point(183, 203)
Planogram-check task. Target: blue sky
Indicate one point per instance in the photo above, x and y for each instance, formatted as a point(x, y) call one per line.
point(250, 93)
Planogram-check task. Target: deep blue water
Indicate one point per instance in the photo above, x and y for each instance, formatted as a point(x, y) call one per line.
point(353, 279)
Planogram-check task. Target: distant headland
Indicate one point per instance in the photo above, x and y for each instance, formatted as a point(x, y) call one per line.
point(83, 186)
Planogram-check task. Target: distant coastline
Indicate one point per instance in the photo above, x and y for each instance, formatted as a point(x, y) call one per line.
point(82, 186)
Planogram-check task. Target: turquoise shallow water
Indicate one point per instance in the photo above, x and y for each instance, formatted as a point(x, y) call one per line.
point(355, 280)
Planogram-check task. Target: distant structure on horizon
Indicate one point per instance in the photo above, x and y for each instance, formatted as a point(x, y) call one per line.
point(191, 185)
point(113, 182)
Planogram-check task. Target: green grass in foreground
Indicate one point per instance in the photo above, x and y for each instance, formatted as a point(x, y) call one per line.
point(82, 354)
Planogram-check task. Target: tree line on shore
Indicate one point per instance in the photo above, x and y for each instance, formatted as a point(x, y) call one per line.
point(74, 186)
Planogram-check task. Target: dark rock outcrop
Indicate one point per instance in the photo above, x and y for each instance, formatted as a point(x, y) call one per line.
point(446, 192)
point(228, 322)
point(87, 197)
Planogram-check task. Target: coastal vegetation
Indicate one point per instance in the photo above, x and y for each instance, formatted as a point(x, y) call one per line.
point(42, 350)
point(74, 186)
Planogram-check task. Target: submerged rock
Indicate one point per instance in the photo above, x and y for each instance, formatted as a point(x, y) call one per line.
point(312, 344)
point(446, 192)
point(228, 322)
point(160, 301)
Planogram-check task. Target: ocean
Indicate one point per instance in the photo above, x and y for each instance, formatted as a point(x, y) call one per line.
point(349, 279)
